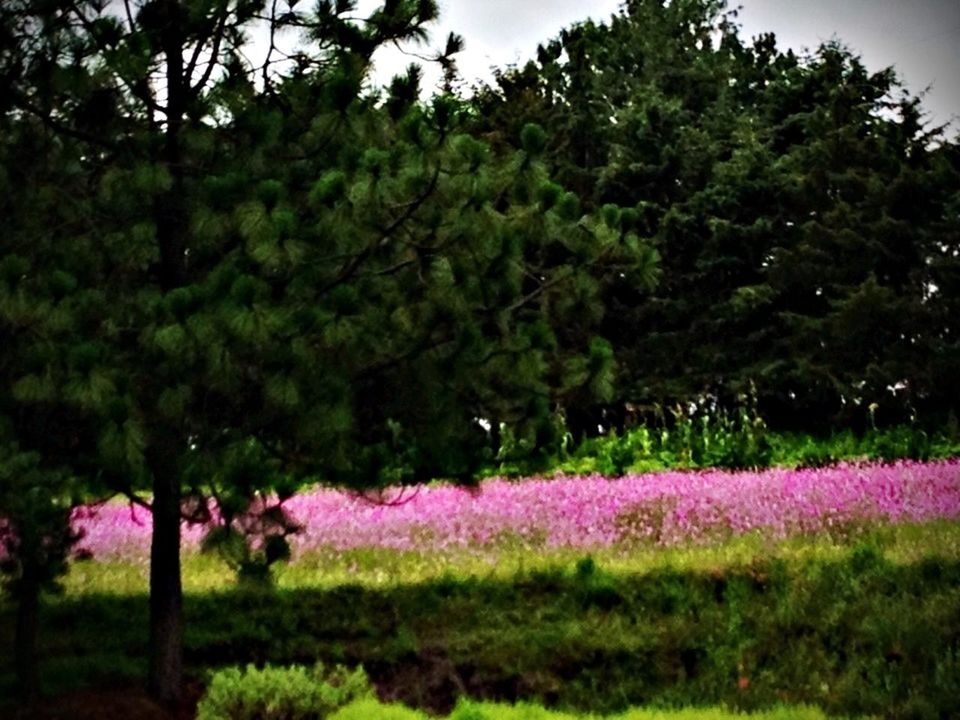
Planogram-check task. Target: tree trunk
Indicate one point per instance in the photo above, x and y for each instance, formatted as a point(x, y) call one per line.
point(25, 643)
point(166, 591)
point(165, 672)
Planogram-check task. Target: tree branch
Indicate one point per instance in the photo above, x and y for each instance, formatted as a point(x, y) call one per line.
point(350, 269)
point(130, 21)
point(273, 31)
point(539, 291)
point(195, 90)
point(47, 119)
point(141, 93)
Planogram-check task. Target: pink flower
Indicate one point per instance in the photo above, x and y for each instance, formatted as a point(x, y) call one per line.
point(586, 512)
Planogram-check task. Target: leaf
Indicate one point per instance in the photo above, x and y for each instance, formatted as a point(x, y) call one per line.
point(171, 339)
point(173, 402)
point(533, 139)
point(134, 444)
point(111, 447)
point(328, 189)
point(254, 223)
point(34, 389)
point(282, 392)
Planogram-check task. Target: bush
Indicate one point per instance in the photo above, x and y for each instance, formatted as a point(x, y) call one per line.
point(740, 440)
point(693, 438)
point(281, 693)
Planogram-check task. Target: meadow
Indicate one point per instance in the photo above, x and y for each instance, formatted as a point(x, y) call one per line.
point(792, 592)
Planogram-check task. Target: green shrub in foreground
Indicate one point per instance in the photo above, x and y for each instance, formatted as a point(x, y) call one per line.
point(372, 710)
point(281, 693)
point(301, 693)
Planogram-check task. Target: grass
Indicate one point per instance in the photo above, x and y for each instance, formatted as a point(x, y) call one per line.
point(859, 622)
point(900, 544)
point(371, 710)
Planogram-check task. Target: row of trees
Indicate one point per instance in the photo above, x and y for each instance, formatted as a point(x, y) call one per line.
point(806, 216)
point(222, 275)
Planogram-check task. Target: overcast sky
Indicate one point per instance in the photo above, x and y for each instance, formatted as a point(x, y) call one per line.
point(921, 38)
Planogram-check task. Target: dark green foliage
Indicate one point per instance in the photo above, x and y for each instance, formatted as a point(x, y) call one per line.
point(251, 528)
point(533, 139)
point(340, 258)
point(569, 206)
point(35, 541)
point(53, 381)
point(266, 274)
point(35, 533)
point(329, 188)
point(805, 216)
point(549, 194)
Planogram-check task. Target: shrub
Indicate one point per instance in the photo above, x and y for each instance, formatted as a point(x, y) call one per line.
point(281, 693)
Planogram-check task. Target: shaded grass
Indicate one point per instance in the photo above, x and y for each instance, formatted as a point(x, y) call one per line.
point(863, 623)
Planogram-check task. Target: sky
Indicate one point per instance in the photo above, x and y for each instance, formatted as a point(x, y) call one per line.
point(920, 38)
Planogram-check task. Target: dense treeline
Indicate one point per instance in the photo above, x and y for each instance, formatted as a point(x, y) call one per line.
point(806, 215)
point(224, 273)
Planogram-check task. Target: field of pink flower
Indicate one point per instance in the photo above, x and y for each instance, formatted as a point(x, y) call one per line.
point(586, 512)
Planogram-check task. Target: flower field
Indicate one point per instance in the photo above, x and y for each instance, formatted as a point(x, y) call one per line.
point(585, 512)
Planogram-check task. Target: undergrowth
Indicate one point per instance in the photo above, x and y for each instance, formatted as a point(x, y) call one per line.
point(703, 436)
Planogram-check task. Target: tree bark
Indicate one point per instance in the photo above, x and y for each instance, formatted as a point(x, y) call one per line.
point(25, 643)
point(165, 674)
point(166, 591)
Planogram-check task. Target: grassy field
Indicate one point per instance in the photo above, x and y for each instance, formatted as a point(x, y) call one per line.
point(365, 710)
point(369, 567)
point(863, 620)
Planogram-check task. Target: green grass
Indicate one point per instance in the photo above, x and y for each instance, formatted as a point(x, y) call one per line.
point(900, 544)
point(372, 710)
point(866, 622)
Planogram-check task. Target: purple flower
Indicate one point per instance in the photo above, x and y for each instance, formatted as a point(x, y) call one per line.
point(586, 512)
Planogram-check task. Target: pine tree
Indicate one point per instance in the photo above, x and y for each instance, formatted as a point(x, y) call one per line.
point(798, 205)
point(278, 274)
point(864, 199)
point(43, 363)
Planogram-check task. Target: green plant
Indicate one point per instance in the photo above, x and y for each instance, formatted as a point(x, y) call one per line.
point(281, 693)
point(372, 710)
point(696, 436)
point(468, 710)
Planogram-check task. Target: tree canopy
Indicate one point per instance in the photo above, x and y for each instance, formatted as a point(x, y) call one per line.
point(226, 276)
point(804, 211)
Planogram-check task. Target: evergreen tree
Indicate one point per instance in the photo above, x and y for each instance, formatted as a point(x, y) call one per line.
point(864, 196)
point(42, 365)
point(798, 205)
point(269, 272)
